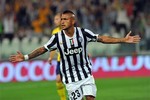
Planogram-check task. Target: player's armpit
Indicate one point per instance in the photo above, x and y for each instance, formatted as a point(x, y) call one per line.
point(99, 39)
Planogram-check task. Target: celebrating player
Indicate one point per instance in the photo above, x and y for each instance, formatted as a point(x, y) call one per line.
point(75, 66)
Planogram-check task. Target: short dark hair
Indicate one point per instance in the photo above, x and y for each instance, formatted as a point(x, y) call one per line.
point(72, 13)
point(68, 12)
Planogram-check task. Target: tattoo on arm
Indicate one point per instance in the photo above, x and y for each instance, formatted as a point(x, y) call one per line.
point(108, 39)
point(37, 52)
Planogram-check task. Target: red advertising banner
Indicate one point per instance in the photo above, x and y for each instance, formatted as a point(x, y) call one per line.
point(103, 67)
point(128, 66)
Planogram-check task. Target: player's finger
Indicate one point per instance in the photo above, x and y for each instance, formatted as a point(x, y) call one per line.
point(12, 58)
point(18, 52)
point(49, 60)
point(136, 40)
point(129, 33)
point(137, 37)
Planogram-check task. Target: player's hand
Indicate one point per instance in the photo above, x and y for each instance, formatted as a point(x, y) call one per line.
point(132, 39)
point(17, 58)
point(50, 60)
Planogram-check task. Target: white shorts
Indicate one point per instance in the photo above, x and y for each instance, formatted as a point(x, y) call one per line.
point(78, 90)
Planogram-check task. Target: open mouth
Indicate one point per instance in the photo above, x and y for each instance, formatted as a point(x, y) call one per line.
point(62, 25)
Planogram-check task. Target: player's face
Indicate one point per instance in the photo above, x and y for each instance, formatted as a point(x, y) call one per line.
point(67, 21)
point(57, 20)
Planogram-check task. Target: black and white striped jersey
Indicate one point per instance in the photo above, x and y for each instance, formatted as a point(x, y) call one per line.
point(75, 64)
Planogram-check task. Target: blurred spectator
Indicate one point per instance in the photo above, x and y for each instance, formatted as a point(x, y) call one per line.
point(128, 5)
point(1, 27)
point(37, 27)
point(29, 18)
point(147, 31)
point(9, 23)
point(123, 22)
point(23, 20)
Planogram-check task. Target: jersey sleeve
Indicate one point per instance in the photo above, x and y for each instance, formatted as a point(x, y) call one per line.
point(51, 44)
point(91, 37)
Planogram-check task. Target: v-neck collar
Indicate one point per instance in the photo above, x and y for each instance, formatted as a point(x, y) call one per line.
point(74, 34)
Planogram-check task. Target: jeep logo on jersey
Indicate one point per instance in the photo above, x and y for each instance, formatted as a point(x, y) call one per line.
point(74, 50)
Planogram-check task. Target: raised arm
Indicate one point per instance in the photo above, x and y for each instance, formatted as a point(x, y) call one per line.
point(20, 57)
point(126, 39)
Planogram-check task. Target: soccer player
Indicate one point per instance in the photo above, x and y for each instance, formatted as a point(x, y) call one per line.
point(60, 86)
point(75, 66)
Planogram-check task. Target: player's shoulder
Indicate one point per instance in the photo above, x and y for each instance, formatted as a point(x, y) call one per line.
point(84, 29)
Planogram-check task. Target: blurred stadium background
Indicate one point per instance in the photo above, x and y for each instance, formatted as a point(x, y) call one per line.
point(122, 71)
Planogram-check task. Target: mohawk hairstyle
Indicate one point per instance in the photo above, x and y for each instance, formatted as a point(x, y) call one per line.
point(72, 13)
point(68, 12)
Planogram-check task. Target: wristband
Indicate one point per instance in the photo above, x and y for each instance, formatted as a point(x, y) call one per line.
point(26, 57)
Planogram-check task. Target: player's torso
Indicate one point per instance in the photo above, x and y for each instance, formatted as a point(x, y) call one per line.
point(75, 64)
point(72, 46)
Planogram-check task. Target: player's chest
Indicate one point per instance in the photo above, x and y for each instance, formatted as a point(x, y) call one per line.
point(71, 46)
point(71, 42)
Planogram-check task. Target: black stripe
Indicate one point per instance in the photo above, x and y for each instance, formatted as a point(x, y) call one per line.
point(85, 43)
point(63, 61)
point(88, 35)
point(53, 42)
point(81, 54)
point(76, 64)
point(68, 59)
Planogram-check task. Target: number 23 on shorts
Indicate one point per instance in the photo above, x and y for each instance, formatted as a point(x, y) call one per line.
point(76, 95)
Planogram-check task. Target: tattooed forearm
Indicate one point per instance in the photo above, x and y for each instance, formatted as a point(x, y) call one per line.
point(37, 52)
point(108, 39)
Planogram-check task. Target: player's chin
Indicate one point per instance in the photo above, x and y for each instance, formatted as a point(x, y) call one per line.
point(63, 28)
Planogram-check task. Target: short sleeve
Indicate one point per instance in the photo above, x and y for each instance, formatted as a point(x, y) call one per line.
point(51, 44)
point(91, 37)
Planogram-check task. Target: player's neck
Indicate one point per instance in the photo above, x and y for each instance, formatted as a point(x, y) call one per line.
point(70, 31)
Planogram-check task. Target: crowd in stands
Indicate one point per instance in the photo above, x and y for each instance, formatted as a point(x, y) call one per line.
point(34, 18)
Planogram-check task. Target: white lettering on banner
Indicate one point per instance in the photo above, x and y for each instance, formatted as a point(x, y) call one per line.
point(18, 73)
point(115, 65)
point(147, 62)
point(134, 67)
point(32, 72)
point(10, 74)
point(101, 63)
point(41, 70)
point(15, 71)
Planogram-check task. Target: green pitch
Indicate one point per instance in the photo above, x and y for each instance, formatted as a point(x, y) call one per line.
point(108, 89)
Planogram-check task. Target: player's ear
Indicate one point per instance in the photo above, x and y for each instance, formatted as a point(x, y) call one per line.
point(73, 22)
